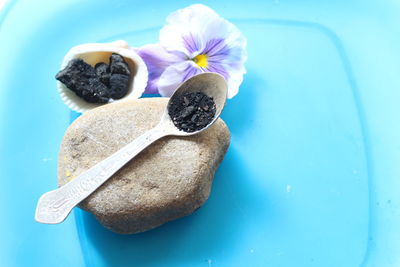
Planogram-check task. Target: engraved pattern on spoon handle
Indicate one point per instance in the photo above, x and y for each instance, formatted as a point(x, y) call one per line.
point(54, 206)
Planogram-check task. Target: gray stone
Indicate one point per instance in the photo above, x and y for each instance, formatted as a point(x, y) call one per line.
point(168, 180)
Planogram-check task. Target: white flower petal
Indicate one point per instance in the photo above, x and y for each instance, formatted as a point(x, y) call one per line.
point(174, 75)
point(198, 21)
point(190, 21)
point(234, 81)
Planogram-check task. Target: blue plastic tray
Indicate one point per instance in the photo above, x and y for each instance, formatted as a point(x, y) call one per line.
point(311, 177)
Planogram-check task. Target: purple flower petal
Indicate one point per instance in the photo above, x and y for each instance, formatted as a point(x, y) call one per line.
point(174, 75)
point(231, 56)
point(157, 59)
point(214, 46)
point(192, 43)
point(218, 68)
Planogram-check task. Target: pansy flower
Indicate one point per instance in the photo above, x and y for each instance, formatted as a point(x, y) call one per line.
point(194, 40)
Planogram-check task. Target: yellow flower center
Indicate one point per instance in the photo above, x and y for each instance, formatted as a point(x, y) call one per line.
point(201, 60)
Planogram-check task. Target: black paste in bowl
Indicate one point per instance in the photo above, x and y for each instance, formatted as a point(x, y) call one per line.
point(97, 84)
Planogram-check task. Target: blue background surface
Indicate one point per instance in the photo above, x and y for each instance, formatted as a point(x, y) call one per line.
point(310, 178)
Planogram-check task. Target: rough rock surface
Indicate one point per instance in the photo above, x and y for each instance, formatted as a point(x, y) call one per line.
point(170, 179)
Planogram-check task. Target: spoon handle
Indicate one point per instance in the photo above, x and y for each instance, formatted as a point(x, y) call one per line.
point(54, 206)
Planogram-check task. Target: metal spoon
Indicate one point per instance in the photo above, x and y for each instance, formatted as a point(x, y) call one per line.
point(54, 206)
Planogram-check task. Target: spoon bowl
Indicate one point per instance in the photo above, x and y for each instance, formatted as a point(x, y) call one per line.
point(211, 84)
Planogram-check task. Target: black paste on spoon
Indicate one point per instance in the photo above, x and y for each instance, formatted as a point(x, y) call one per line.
point(192, 111)
point(98, 84)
